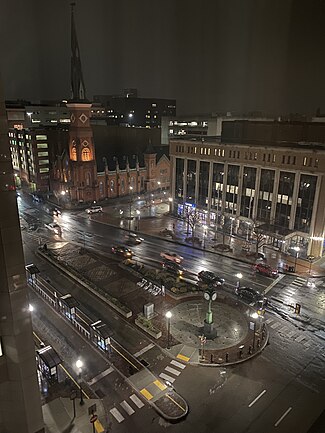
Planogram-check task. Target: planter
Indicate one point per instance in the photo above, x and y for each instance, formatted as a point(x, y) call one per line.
point(152, 331)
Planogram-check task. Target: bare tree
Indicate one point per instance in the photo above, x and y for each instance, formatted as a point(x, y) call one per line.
point(259, 237)
point(192, 217)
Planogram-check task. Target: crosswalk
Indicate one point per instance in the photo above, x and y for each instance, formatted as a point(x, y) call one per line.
point(172, 372)
point(129, 406)
point(128, 409)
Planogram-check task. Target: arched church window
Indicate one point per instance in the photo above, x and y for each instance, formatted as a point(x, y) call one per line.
point(74, 153)
point(85, 154)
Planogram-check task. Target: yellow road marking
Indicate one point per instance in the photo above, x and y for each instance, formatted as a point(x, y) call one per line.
point(160, 385)
point(35, 335)
point(181, 407)
point(146, 394)
point(98, 426)
point(183, 357)
point(126, 359)
point(76, 383)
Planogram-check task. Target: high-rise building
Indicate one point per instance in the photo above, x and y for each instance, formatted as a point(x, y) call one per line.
point(20, 404)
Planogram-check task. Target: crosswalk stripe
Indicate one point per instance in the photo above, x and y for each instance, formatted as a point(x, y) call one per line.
point(178, 364)
point(136, 401)
point(117, 415)
point(100, 376)
point(269, 321)
point(283, 329)
point(166, 377)
point(291, 333)
point(145, 349)
point(300, 338)
point(173, 371)
point(275, 325)
point(128, 409)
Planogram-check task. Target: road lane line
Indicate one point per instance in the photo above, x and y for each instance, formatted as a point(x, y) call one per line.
point(178, 364)
point(100, 376)
point(170, 398)
point(117, 415)
point(145, 349)
point(274, 283)
point(136, 401)
point(128, 409)
point(166, 377)
point(282, 417)
point(257, 398)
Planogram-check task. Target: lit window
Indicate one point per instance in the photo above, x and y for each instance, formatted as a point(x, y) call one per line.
point(43, 154)
point(41, 137)
point(316, 163)
point(304, 161)
point(74, 154)
point(85, 156)
point(42, 146)
point(43, 162)
point(44, 170)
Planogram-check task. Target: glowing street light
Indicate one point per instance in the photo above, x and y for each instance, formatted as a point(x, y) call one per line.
point(168, 317)
point(239, 276)
point(297, 249)
point(79, 365)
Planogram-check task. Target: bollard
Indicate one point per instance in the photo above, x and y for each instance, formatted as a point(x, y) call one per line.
point(227, 356)
point(250, 350)
point(263, 335)
point(240, 353)
point(258, 343)
point(211, 358)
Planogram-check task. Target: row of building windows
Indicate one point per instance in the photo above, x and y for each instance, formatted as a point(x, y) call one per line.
point(249, 156)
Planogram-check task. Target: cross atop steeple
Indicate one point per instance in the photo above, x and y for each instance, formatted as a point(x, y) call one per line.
point(78, 91)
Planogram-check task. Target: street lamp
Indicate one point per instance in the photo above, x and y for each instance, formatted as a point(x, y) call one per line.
point(130, 217)
point(168, 317)
point(297, 249)
point(170, 200)
point(204, 234)
point(248, 228)
point(138, 214)
point(30, 307)
point(79, 365)
point(239, 276)
point(254, 316)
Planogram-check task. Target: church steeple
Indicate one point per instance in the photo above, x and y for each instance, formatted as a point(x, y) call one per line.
point(78, 90)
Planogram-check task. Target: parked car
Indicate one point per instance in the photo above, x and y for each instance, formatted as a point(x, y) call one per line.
point(120, 250)
point(172, 267)
point(172, 257)
point(94, 209)
point(208, 277)
point(54, 227)
point(133, 239)
point(251, 296)
point(265, 269)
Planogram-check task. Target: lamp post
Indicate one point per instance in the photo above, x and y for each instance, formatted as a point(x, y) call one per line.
point(138, 214)
point(247, 233)
point(79, 365)
point(204, 234)
point(159, 186)
point(168, 317)
point(239, 276)
point(297, 249)
point(170, 200)
point(131, 189)
point(254, 316)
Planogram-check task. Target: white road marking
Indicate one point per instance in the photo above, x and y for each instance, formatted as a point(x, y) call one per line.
point(100, 376)
point(128, 409)
point(166, 377)
point(283, 416)
point(275, 325)
point(173, 371)
point(257, 398)
point(178, 364)
point(283, 329)
point(144, 350)
point(117, 415)
point(291, 333)
point(269, 321)
point(300, 338)
point(274, 283)
point(136, 401)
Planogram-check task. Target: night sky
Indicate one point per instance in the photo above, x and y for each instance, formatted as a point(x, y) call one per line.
point(210, 55)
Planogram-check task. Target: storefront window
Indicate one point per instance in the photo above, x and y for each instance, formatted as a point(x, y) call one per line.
point(203, 183)
point(305, 202)
point(179, 178)
point(217, 186)
point(284, 199)
point(232, 189)
point(191, 181)
point(248, 192)
point(265, 197)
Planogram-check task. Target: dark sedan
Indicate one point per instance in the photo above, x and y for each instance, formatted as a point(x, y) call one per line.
point(122, 251)
point(211, 278)
point(251, 296)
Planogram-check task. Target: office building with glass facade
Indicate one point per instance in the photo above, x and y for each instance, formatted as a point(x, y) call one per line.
point(250, 179)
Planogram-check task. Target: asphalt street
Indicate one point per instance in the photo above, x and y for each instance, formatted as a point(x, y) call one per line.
point(281, 390)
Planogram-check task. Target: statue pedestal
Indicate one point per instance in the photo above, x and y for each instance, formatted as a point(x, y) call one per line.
point(209, 330)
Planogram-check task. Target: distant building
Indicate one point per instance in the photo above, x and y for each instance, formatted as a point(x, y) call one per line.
point(54, 150)
point(132, 111)
point(265, 173)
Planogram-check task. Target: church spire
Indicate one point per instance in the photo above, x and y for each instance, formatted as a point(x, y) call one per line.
point(78, 91)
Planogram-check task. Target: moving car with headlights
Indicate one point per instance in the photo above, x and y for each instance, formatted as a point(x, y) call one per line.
point(172, 267)
point(54, 227)
point(251, 296)
point(120, 250)
point(208, 277)
point(265, 269)
point(133, 239)
point(94, 209)
point(172, 257)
